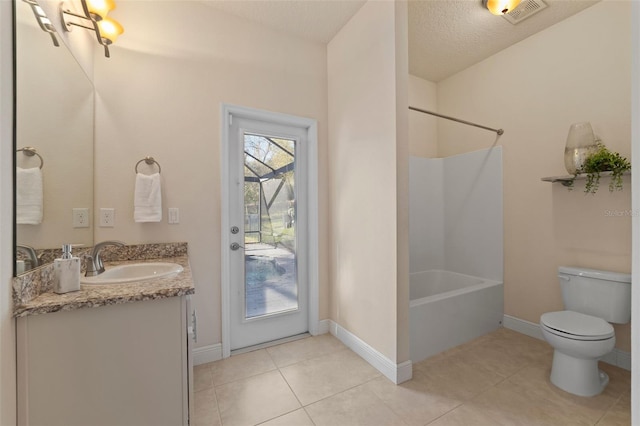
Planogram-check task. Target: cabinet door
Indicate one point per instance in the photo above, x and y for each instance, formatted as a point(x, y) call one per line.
point(120, 364)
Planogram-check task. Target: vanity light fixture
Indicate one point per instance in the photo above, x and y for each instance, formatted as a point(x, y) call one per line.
point(95, 11)
point(500, 7)
point(43, 21)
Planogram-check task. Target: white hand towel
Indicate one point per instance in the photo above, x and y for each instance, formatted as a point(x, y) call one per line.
point(29, 196)
point(147, 201)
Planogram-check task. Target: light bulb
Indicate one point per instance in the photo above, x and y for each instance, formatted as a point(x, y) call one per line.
point(100, 8)
point(110, 29)
point(500, 7)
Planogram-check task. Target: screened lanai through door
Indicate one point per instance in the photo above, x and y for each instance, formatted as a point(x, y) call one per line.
point(269, 226)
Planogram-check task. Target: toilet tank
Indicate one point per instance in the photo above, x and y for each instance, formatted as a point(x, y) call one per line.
point(603, 294)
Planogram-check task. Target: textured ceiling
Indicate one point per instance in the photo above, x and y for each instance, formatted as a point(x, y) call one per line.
point(445, 36)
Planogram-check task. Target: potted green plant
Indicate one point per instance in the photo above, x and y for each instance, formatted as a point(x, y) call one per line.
point(602, 160)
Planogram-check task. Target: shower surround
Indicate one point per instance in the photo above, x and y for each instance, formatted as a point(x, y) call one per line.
point(456, 225)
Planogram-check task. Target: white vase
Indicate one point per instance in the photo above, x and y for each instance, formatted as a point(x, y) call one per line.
point(580, 144)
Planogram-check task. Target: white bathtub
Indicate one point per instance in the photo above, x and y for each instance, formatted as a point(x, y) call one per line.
point(448, 309)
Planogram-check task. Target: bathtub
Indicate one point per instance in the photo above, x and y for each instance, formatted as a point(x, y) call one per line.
point(448, 309)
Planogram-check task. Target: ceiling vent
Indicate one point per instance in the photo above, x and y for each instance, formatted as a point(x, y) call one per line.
point(524, 10)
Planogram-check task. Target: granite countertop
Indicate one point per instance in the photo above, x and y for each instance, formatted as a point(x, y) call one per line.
point(91, 295)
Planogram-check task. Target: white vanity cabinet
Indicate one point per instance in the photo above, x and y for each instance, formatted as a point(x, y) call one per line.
point(122, 364)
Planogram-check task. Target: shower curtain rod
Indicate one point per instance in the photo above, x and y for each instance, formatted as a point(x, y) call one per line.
point(498, 131)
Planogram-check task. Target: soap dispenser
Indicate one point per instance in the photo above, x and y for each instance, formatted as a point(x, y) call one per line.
point(67, 272)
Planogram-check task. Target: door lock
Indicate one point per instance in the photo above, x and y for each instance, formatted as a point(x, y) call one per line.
point(235, 229)
point(235, 246)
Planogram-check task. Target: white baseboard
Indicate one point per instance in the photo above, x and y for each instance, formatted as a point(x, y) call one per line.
point(212, 353)
point(397, 373)
point(522, 326)
point(616, 357)
point(207, 354)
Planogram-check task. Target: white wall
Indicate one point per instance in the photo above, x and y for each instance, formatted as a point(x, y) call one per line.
point(423, 128)
point(364, 150)
point(7, 334)
point(160, 95)
point(576, 70)
point(456, 214)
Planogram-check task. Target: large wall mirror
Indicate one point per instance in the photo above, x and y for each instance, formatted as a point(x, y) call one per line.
point(54, 120)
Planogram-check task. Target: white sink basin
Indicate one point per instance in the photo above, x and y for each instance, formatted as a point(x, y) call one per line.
point(134, 272)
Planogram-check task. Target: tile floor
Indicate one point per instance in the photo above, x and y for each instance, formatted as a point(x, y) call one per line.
point(498, 379)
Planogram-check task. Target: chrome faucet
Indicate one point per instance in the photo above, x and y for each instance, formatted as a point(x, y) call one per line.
point(31, 253)
point(94, 261)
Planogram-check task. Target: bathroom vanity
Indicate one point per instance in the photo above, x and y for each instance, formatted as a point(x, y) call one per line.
point(110, 354)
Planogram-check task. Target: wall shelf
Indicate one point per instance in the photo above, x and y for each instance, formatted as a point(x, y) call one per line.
point(566, 179)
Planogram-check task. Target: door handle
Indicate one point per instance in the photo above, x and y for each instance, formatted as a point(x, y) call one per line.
point(235, 246)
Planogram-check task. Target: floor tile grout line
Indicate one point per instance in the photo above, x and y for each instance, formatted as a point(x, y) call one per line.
point(312, 358)
point(245, 377)
point(400, 415)
point(255, 375)
point(285, 380)
point(215, 395)
point(481, 392)
point(290, 388)
point(470, 400)
point(343, 391)
point(277, 417)
point(517, 385)
point(277, 368)
point(309, 415)
point(445, 413)
point(609, 409)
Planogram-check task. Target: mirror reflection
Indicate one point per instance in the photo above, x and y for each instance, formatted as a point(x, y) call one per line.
point(54, 146)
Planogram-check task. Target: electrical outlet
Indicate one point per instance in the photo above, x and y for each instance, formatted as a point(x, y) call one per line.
point(174, 215)
point(107, 218)
point(81, 218)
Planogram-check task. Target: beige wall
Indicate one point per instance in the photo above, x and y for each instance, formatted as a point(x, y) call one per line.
point(366, 139)
point(577, 70)
point(423, 128)
point(402, 184)
point(160, 95)
point(7, 334)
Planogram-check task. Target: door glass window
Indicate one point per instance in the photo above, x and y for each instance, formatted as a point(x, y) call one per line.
point(271, 284)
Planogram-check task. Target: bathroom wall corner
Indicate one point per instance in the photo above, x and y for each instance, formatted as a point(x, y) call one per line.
point(7, 329)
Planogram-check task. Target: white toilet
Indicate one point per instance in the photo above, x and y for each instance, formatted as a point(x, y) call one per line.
point(581, 334)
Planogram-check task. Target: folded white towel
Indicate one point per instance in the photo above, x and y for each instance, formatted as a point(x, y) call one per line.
point(29, 196)
point(147, 201)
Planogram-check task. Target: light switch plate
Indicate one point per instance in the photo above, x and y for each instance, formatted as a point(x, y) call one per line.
point(80, 218)
point(174, 215)
point(107, 218)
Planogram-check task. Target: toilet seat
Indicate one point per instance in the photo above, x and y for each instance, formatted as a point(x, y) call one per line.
point(576, 326)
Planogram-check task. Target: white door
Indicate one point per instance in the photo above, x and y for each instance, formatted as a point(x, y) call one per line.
point(268, 244)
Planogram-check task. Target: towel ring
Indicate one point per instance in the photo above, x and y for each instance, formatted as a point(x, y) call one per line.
point(30, 151)
point(150, 161)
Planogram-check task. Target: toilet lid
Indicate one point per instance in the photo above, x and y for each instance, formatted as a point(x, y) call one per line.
point(577, 324)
